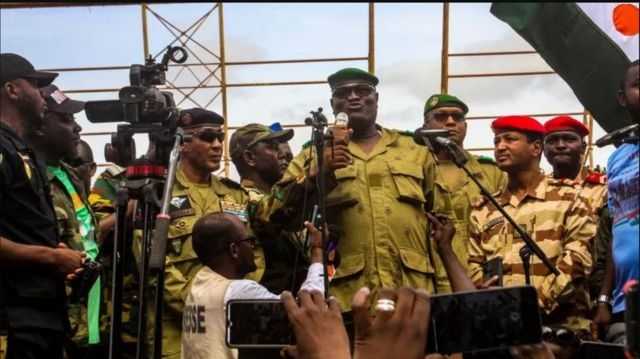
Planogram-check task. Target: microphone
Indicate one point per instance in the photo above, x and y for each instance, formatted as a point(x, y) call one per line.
point(621, 135)
point(420, 134)
point(342, 119)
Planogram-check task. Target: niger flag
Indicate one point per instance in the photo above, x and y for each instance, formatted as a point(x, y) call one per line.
point(588, 44)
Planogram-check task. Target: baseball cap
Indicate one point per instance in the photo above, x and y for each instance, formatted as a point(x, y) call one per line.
point(57, 101)
point(13, 66)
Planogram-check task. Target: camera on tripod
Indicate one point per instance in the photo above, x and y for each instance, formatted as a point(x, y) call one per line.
point(144, 107)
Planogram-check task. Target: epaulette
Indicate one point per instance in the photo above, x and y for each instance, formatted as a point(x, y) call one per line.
point(485, 160)
point(231, 183)
point(596, 178)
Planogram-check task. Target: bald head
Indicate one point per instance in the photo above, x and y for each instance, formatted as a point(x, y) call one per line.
point(84, 151)
point(212, 234)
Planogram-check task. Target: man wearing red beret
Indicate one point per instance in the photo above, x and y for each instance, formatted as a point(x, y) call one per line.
point(554, 215)
point(564, 148)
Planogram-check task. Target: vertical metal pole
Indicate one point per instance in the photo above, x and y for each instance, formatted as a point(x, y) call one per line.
point(444, 61)
point(145, 35)
point(372, 39)
point(590, 126)
point(223, 88)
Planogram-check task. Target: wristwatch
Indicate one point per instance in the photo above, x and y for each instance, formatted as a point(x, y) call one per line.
point(604, 299)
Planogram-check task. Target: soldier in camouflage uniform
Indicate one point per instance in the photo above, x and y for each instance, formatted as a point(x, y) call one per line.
point(57, 139)
point(378, 182)
point(551, 211)
point(454, 191)
point(196, 192)
point(255, 153)
point(564, 149)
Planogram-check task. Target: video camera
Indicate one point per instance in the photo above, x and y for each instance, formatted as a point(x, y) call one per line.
point(144, 107)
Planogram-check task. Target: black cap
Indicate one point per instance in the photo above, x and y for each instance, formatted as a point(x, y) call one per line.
point(14, 67)
point(57, 101)
point(199, 117)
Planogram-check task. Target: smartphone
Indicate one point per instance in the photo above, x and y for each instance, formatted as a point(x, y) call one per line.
point(599, 350)
point(492, 268)
point(484, 320)
point(260, 323)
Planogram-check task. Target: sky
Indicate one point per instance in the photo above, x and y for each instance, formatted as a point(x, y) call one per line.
point(408, 40)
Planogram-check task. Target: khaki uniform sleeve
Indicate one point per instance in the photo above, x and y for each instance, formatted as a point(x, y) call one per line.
point(576, 261)
point(476, 254)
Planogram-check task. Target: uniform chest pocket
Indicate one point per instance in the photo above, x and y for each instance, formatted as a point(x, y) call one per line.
point(408, 179)
point(179, 230)
point(344, 195)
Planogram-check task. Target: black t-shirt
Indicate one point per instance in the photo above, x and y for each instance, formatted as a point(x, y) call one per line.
point(34, 297)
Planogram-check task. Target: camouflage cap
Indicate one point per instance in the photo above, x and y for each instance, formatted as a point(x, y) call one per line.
point(351, 73)
point(249, 135)
point(442, 100)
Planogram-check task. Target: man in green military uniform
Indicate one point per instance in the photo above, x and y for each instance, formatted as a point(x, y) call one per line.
point(55, 140)
point(196, 192)
point(454, 191)
point(278, 254)
point(378, 182)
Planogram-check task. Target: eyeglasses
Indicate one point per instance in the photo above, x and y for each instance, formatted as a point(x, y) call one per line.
point(209, 135)
point(442, 117)
point(362, 90)
point(251, 239)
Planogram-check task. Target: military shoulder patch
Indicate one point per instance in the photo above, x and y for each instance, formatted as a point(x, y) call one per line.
point(596, 178)
point(485, 160)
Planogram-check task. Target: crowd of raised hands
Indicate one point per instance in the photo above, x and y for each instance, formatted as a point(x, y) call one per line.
point(379, 334)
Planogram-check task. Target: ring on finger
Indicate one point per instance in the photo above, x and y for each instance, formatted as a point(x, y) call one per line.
point(385, 305)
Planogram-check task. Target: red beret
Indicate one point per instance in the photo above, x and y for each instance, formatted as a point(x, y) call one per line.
point(566, 123)
point(518, 123)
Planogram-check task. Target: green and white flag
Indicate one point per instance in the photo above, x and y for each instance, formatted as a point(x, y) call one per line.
point(588, 44)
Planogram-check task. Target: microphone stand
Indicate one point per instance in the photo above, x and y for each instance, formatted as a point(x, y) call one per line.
point(318, 123)
point(530, 247)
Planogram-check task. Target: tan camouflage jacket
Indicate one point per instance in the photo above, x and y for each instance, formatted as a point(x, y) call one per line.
point(561, 223)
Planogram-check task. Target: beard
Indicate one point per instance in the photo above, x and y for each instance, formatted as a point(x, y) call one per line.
point(32, 115)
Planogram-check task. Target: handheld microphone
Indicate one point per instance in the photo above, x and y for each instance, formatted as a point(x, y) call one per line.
point(621, 135)
point(342, 119)
point(421, 133)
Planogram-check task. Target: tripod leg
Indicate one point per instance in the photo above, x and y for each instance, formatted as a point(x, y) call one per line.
point(120, 235)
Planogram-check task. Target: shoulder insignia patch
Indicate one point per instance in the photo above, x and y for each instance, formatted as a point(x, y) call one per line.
point(596, 178)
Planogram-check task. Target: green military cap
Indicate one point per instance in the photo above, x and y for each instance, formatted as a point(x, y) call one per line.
point(442, 100)
point(249, 135)
point(351, 73)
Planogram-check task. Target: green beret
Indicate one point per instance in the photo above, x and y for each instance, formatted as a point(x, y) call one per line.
point(351, 73)
point(442, 100)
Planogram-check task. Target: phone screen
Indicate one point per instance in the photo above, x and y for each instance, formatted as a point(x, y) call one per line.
point(258, 324)
point(484, 320)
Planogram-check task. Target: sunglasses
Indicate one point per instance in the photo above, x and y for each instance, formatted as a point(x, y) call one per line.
point(442, 117)
point(251, 239)
point(209, 135)
point(362, 90)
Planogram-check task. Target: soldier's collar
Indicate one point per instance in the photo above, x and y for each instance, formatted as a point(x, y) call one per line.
point(539, 191)
point(182, 179)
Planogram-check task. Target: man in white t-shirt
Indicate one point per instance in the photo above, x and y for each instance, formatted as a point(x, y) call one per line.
point(224, 247)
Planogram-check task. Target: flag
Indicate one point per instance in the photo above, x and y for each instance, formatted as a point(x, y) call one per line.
point(588, 44)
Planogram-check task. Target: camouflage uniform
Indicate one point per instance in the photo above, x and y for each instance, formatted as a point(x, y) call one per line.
point(378, 204)
point(277, 251)
point(69, 230)
point(455, 203)
point(561, 223)
point(189, 202)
